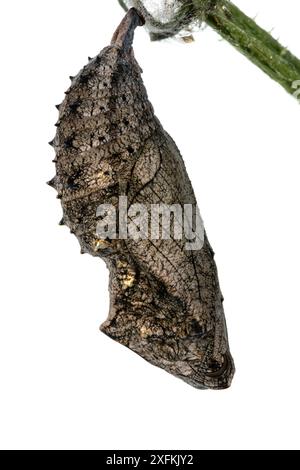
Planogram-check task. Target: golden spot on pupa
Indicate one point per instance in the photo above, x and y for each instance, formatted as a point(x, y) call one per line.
point(145, 332)
point(121, 264)
point(128, 280)
point(100, 244)
point(101, 175)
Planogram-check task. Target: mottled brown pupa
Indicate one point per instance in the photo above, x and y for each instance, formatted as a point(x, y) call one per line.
point(165, 300)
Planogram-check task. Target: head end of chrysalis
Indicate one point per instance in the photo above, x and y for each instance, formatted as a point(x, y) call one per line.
point(123, 37)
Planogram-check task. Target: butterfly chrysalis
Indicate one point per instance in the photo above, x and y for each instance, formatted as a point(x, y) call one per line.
point(165, 300)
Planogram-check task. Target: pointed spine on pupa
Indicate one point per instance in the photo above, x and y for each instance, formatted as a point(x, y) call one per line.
point(83, 251)
point(53, 183)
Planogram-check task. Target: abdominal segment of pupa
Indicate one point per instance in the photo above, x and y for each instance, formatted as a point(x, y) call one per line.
point(165, 300)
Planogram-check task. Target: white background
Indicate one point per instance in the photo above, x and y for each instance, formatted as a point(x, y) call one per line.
point(64, 385)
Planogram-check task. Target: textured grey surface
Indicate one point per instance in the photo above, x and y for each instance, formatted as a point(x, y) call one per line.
point(165, 301)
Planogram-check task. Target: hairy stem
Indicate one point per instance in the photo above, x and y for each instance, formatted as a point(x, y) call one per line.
point(254, 42)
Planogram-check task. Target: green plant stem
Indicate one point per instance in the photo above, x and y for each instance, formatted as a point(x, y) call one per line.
point(252, 41)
